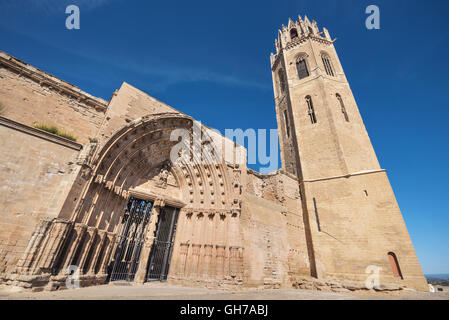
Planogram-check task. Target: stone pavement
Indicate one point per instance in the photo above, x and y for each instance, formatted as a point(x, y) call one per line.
point(163, 291)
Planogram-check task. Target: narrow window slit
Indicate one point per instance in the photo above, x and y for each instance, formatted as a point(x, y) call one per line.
point(342, 106)
point(282, 82)
point(311, 110)
point(287, 126)
point(316, 215)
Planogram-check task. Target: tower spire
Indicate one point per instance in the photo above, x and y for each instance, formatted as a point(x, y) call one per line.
point(304, 28)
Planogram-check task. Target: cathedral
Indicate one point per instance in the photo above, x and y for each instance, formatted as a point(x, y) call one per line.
point(113, 205)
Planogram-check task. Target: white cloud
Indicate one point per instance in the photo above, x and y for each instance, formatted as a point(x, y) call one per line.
point(168, 74)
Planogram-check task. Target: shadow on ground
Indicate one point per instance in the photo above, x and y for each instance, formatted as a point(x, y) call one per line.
point(162, 291)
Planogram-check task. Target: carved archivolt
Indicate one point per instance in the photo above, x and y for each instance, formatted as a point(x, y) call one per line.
point(137, 157)
point(136, 162)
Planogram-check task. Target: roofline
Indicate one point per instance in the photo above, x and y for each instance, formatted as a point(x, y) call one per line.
point(44, 78)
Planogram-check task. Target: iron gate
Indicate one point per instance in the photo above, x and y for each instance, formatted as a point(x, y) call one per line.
point(162, 249)
point(126, 258)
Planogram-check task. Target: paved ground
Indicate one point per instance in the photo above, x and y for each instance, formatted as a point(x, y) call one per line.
point(163, 291)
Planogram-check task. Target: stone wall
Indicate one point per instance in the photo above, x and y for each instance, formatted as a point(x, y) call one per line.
point(208, 249)
point(266, 245)
point(273, 231)
point(357, 222)
point(31, 96)
point(36, 174)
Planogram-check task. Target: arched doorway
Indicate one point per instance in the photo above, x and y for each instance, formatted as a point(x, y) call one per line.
point(394, 265)
point(100, 230)
point(136, 194)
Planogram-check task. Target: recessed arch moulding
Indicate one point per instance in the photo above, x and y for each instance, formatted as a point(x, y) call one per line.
point(207, 187)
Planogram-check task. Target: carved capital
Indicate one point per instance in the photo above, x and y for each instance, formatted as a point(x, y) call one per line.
point(99, 178)
point(92, 230)
point(80, 227)
point(159, 202)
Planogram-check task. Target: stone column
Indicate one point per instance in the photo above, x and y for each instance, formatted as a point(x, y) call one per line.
point(220, 261)
point(33, 247)
point(92, 232)
point(58, 233)
point(213, 263)
point(195, 271)
point(80, 229)
point(96, 253)
point(183, 252)
point(113, 242)
point(148, 242)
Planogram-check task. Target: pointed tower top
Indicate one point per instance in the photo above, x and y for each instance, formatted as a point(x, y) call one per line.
point(290, 23)
point(304, 28)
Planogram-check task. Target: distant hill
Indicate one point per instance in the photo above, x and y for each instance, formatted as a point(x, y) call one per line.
point(438, 279)
point(437, 276)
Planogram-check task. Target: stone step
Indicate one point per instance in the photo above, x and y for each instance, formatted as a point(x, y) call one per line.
point(120, 283)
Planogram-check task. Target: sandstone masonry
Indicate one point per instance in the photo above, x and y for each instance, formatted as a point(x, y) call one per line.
point(114, 205)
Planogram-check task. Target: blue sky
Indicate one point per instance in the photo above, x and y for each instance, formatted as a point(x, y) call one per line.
point(210, 59)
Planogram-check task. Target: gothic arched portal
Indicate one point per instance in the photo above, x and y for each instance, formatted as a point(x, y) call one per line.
point(135, 163)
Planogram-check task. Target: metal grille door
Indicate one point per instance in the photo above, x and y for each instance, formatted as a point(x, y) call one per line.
point(161, 251)
point(127, 255)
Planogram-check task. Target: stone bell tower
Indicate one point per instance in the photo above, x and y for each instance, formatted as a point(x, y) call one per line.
point(317, 114)
point(351, 216)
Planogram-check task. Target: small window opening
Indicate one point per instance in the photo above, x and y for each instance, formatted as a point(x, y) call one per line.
point(343, 109)
point(301, 66)
point(293, 34)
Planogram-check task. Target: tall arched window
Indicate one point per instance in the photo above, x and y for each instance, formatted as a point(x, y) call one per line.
point(327, 64)
point(395, 265)
point(343, 109)
point(282, 83)
point(301, 66)
point(311, 110)
point(293, 34)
